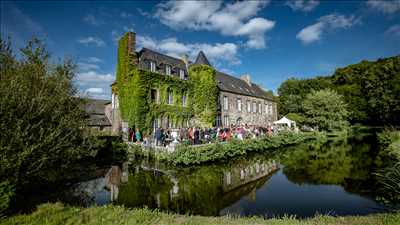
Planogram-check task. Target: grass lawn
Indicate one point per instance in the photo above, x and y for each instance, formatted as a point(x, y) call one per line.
point(60, 214)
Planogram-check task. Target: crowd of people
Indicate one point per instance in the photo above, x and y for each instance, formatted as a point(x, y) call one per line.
point(197, 135)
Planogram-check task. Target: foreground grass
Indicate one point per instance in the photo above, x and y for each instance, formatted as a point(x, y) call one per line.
point(60, 214)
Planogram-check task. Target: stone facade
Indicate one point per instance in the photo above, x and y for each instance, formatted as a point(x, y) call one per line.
point(240, 101)
point(251, 111)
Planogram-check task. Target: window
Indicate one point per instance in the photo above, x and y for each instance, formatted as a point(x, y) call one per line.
point(168, 69)
point(152, 66)
point(226, 121)
point(248, 106)
point(270, 109)
point(181, 74)
point(226, 103)
point(154, 95)
point(266, 108)
point(170, 98)
point(184, 99)
point(239, 104)
point(254, 107)
point(259, 108)
point(218, 122)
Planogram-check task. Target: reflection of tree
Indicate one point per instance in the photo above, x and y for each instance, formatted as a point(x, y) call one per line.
point(346, 163)
point(327, 164)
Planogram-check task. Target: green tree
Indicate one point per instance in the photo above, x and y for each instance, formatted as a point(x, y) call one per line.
point(293, 91)
point(41, 122)
point(325, 109)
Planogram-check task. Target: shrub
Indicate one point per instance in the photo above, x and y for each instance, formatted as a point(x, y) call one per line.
point(41, 121)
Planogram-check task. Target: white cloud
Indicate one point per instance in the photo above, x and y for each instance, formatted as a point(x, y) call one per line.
point(92, 40)
point(94, 90)
point(302, 5)
point(387, 7)
point(94, 60)
point(87, 66)
point(92, 20)
point(226, 52)
point(93, 77)
point(326, 23)
point(233, 19)
point(393, 31)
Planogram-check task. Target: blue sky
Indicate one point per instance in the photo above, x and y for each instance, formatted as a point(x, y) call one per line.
point(270, 40)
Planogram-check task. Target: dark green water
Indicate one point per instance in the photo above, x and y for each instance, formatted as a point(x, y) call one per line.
point(333, 178)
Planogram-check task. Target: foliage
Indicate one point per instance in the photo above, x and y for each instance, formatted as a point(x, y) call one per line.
point(205, 94)
point(111, 214)
point(134, 93)
point(7, 191)
point(221, 151)
point(389, 178)
point(41, 122)
point(296, 117)
point(389, 147)
point(325, 109)
point(293, 91)
point(370, 90)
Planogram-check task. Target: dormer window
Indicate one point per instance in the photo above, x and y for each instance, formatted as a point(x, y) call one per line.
point(167, 69)
point(182, 74)
point(153, 66)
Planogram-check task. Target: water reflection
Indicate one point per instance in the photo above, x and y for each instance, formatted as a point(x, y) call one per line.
point(334, 178)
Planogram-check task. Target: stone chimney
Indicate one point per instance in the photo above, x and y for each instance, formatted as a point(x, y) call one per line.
point(246, 78)
point(131, 42)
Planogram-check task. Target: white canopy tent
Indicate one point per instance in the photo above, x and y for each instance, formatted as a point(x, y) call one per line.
point(286, 121)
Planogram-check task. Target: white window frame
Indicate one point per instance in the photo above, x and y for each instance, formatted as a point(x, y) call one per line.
point(153, 66)
point(226, 103)
point(254, 107)
point(259, 108)
point(226, 121)
point(266, 108)
point(184, 100)
point(248, 106)
point(170, 98)
point(239, 104)
point(168, 70)
point(182, 74)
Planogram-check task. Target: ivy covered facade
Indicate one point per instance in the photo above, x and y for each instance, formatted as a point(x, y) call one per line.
point(155, 90)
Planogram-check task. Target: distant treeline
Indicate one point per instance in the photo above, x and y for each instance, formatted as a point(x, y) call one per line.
point(371, 91)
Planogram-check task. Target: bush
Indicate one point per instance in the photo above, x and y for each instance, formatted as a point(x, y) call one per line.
point(6, 194)
point(389, 178)
point(221, 151)
point(42, 123)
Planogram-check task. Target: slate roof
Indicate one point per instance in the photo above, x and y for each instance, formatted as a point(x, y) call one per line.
point(145, 55)
point(95, 108)
point(202, 59)
point(232, 84)
point(226, 82)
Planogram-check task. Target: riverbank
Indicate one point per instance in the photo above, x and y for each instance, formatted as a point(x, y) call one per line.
point(220, 151)
point(59, 214)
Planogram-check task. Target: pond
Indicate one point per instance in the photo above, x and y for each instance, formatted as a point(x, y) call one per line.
point(333, 178)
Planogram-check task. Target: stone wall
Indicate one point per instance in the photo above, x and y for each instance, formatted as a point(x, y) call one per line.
point(264, 117)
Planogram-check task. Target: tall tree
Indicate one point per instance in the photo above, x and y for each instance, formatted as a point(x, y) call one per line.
point(41, 122)
point(325, 109)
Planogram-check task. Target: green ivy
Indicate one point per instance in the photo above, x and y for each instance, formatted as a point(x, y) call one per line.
point(134, 93)
point(205, 94)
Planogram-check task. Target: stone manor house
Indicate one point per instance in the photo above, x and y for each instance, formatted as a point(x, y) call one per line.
point(239, 100)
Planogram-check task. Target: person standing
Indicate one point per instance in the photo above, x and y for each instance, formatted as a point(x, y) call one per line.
point(138, 135)
point(196, 136)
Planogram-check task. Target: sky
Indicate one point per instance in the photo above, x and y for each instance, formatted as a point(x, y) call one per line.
point(269, 40)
